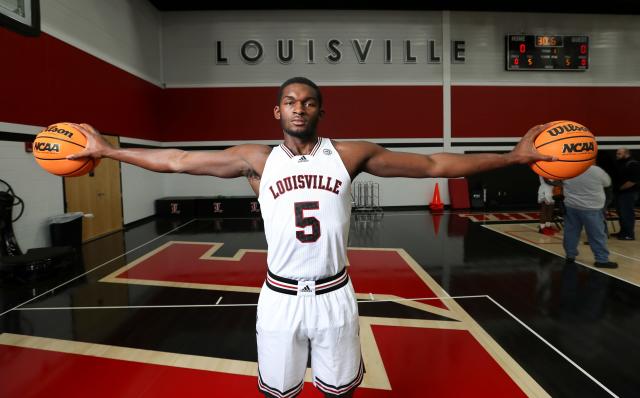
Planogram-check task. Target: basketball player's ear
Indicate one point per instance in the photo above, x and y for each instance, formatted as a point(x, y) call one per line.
point(276, 112)
point(321, 113)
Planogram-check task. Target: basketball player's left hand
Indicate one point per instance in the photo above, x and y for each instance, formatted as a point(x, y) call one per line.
point(525, 151)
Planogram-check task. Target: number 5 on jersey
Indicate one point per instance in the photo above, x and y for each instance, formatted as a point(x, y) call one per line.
point(303, 222)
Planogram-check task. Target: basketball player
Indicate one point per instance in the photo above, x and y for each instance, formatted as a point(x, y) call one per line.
point(307, 303)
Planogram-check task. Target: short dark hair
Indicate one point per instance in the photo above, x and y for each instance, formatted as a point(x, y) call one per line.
point(300, 80)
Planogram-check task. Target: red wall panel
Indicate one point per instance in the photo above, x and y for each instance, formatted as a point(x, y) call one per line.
point(351, 112)
point(44, 80)
point(486, 111)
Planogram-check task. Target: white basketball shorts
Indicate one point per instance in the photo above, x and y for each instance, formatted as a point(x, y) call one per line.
point(289, 327)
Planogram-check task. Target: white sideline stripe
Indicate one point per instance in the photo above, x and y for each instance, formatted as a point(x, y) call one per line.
point(99, 266)
point(553, 348)
point(556, 254)
point(111, 307)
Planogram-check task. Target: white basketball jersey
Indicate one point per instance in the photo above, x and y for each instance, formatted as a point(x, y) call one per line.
point(305, 202)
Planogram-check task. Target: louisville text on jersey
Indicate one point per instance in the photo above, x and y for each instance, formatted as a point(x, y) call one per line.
point(305, 181)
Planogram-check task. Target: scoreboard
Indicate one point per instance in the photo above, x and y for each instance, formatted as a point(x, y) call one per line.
point(547, 52)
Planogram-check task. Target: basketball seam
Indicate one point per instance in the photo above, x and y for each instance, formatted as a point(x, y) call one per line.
point(60, 139)
point(565, 138)
point(536, 164)
point(71, 172)
point(583, 160)
point(50, 158)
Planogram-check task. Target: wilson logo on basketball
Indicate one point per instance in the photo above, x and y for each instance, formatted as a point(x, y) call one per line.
point(566, 128)
point(55, 129)
point(46, 147)
point(578, 147)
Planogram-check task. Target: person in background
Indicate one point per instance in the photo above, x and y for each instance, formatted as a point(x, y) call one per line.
point(545, 199)
point(627, 190)
point(584, 199)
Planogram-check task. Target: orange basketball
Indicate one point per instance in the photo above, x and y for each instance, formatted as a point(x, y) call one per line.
point(571, 143)
point(53, 144)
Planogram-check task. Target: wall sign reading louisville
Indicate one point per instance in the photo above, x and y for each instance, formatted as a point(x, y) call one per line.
point(333, 51)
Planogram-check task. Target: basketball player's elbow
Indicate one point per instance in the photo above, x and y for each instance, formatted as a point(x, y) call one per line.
point(177, 162)
point(436, 169)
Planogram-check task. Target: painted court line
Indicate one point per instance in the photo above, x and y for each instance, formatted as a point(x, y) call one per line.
point(561, 256)
point(111, 307)
point(99, 266)
point(610, 251)
point(553, 348)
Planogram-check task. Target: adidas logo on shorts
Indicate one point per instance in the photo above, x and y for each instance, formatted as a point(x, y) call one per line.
point(306, 289)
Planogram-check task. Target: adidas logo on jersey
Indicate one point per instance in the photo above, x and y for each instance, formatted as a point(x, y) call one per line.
point(303, 159)
point(306, 289)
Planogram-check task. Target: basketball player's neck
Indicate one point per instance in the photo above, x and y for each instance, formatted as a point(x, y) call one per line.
point(300, 145)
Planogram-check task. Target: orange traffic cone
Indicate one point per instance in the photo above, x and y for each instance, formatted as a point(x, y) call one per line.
point(436, 204)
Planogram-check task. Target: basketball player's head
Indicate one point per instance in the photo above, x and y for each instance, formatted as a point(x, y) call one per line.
point(622, 153)
point(299, 107)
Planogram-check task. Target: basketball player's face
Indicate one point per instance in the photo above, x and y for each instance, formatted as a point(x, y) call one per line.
point(298, 111)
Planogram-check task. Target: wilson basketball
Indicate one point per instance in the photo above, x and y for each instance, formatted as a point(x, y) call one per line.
point(53, 144)
point(571, 143)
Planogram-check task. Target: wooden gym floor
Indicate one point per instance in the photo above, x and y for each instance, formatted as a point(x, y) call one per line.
point(449, 308)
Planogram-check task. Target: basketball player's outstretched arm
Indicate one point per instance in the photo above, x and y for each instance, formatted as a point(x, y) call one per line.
point(236, 161)
point(383, 163)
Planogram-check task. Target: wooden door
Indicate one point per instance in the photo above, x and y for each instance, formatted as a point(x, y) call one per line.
point(99, 196)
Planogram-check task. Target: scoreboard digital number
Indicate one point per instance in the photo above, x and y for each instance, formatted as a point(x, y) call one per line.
point(545, 52)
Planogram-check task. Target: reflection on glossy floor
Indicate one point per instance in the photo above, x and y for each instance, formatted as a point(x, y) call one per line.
point(625, 253)
point(448, 309)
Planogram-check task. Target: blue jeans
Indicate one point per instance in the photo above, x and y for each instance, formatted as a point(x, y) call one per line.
point(593, 222)
point(626, 201)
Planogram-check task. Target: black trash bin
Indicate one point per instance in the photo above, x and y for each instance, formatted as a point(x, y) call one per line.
point(66, 229)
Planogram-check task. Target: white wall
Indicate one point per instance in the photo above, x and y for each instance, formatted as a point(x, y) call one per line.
point(124, 33)
point(614, 47)
point(189, 46)
point(140, 188)
point(130, 34)
point(42, 194)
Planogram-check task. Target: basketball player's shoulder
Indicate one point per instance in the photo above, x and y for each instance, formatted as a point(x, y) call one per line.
point(253, 151)
point(358, 149)
point(254, 157)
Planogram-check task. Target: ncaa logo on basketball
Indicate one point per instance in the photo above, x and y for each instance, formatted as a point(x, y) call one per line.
point(578, 147)
point(46, 147)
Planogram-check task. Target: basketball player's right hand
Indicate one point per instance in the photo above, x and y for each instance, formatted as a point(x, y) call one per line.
point(97, 146)
point(525, 152)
